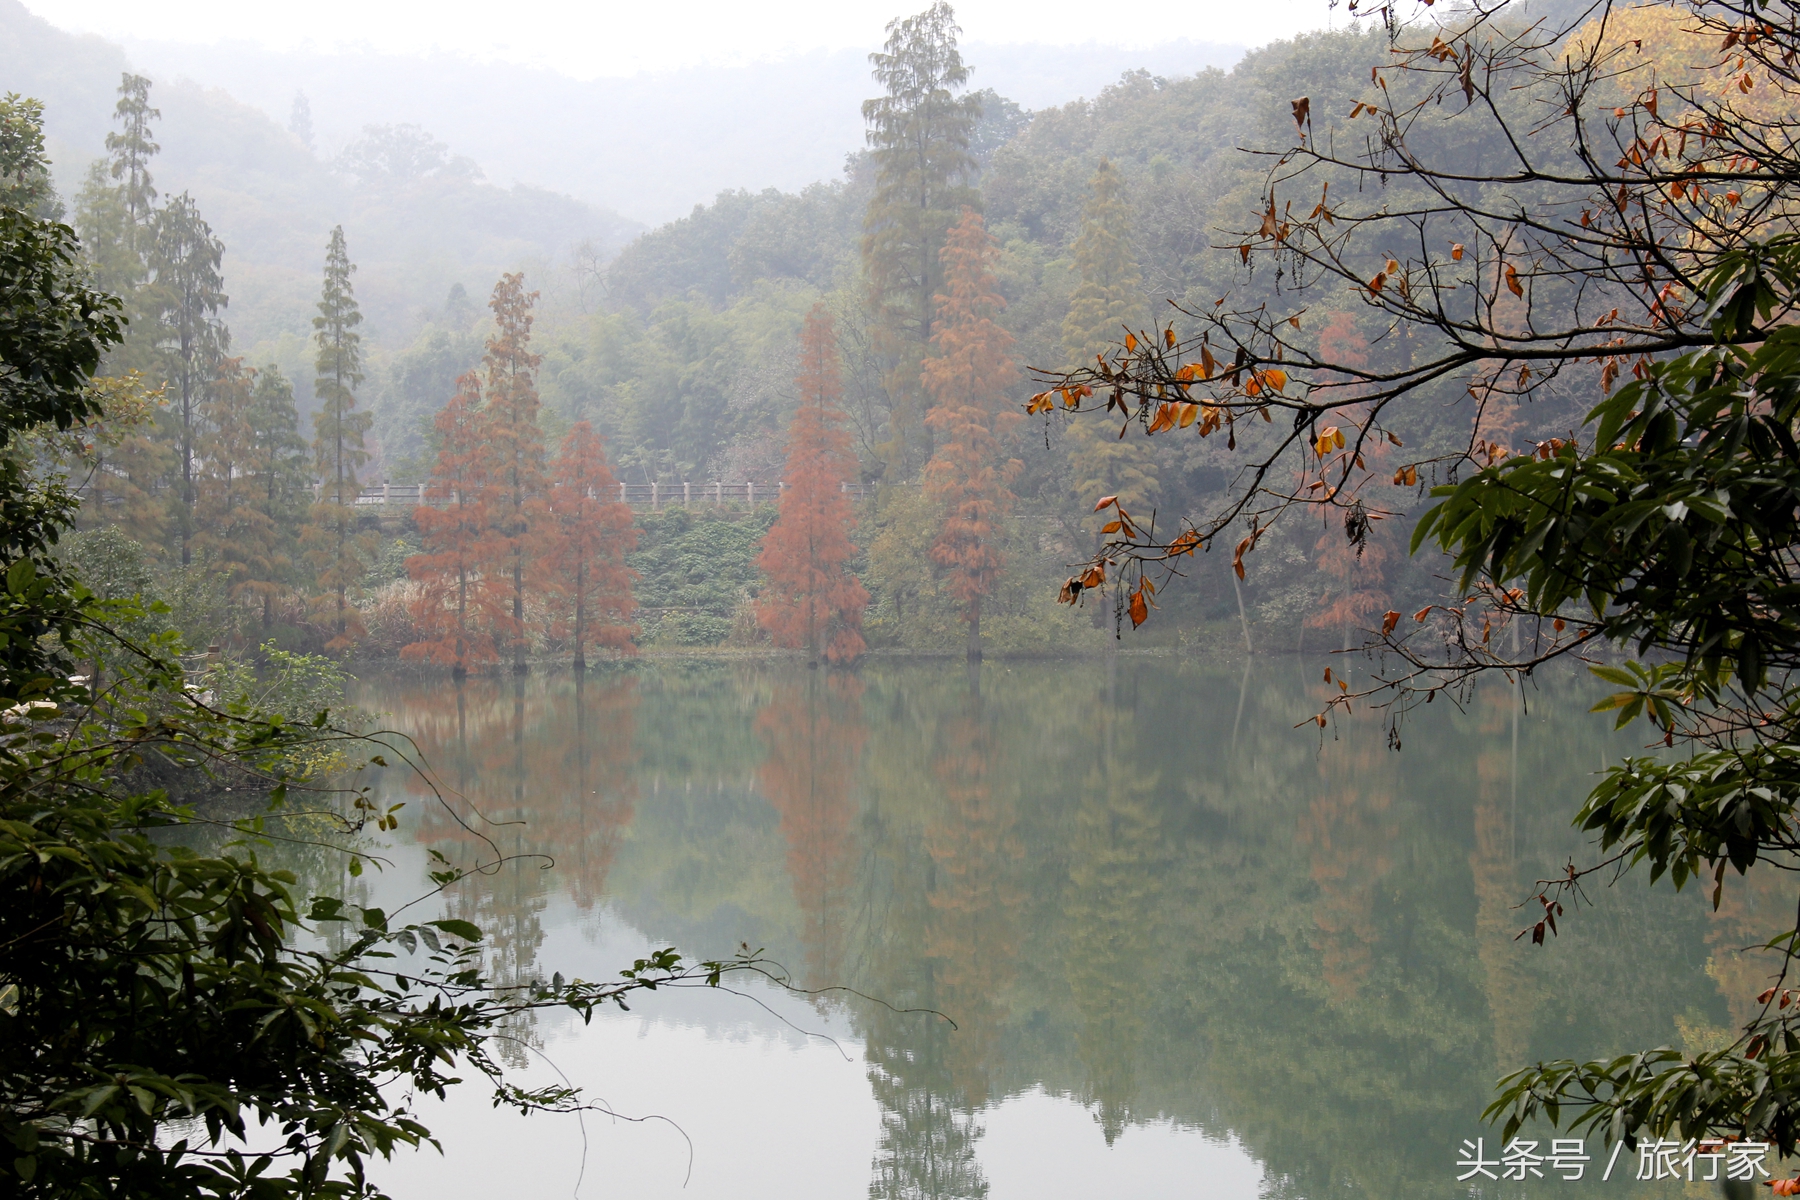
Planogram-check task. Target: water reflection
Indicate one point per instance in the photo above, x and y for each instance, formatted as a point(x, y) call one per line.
point(1132, 884)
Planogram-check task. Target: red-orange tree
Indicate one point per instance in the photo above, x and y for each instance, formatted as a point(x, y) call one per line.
point(510, 429)
point(457, 604)
point(968, 375)
point(810, 601)
point(589, 534)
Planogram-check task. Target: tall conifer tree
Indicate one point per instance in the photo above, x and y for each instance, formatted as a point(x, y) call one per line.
point(457, 605)
point(132, 147)
point(590, 532)
point(334, 548)
point(1109, 298)
point(113, 211)
point(231, 524)
point(810, 601)
point(968, 377)
point(513, 438)
point(919, 131)
point(280, 469)
point(187, 291)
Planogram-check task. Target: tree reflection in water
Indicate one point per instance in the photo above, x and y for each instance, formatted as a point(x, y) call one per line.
point(1130, 883)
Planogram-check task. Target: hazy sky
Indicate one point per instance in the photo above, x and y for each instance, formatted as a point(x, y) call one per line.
point(586, 39)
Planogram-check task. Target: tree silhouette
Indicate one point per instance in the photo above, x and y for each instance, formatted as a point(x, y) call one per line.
point(457, 605)
point(968, 375)
point(516, 444)
point(810, 601)
point(590, 533)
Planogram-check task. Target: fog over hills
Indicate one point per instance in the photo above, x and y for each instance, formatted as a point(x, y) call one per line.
point(649, 146)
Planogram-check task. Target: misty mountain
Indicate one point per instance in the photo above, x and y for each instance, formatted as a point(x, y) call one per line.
point(650, 146)
point(273, 201)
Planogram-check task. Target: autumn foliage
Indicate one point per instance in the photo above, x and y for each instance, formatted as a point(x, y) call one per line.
point(810, 600)
point(457, 607)
point(968, 376)
point(590, 532)
point(497, 523)
point(516, 446)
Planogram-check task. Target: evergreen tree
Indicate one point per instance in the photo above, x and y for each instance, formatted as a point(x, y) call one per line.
point(334, 548)
point(279, 464)
point(591, 532)
point(24, 169)
point(113, 211)
point(968, 376)
point(919, 132)
point(457, 605)
point(513, 438)
point(132, 147)
point(188, 292)
point(809, 600)
point(232, 527)
point(1108, 299)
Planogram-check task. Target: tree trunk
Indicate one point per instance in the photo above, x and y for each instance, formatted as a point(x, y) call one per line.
point(580, 618)
point(975, 630)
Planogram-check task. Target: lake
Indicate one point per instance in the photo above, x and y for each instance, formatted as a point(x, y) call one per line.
point(1182, 941)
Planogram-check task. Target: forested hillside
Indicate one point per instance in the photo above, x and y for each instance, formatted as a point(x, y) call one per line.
point(680, 348)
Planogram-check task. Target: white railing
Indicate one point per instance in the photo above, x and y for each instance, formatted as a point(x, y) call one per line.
point(643, 496)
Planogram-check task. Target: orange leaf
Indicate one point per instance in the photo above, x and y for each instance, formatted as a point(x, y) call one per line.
point(1327, 674)
point(1189, 412)
point(1423, 613)
point(1558, 625)
point(1376, 283)
point(1140, 612)
point(1512, 281)
point(1275, 378)
point(1169, 337)
point(1388, 621)
point(1106, 501)
point(1456, 251)
point(1130, 342)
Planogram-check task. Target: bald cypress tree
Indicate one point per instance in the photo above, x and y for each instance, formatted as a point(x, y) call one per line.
point(969, 374)
point(919, 132)
point(519, 474)
point(1108, 300)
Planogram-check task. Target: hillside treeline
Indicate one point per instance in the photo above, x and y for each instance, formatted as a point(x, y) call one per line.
point(971, 243)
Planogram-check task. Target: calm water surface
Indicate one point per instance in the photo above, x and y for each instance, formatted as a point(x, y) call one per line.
point(1189, 949)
